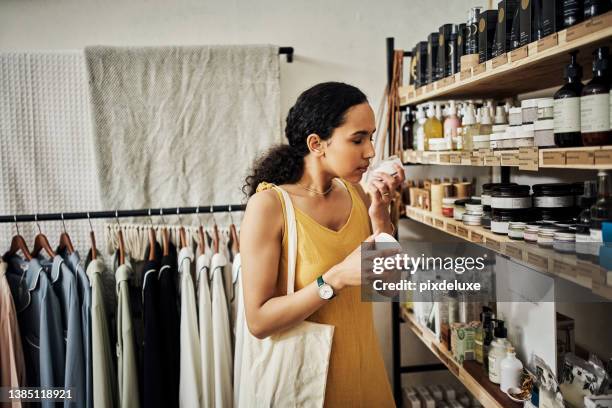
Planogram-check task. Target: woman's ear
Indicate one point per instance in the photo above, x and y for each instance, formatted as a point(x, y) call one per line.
point(315, 144)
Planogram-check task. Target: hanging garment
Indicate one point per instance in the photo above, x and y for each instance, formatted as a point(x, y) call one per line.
point(12, 364)
point(40, 322)
point(127, 369)
point(357, 374)
point(222, 346)
point(152, 368)
point(84, 288)
point(206, 330)
point(103, 370)
point(239, 324)
point(65, 286)
point(169, 328)
point(190, 387)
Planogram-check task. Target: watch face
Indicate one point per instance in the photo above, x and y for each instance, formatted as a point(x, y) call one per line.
point(326, 292)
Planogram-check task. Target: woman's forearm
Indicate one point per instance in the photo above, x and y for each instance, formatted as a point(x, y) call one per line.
point(283, 312)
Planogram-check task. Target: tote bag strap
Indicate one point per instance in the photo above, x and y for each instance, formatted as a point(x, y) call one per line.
point(291, 240)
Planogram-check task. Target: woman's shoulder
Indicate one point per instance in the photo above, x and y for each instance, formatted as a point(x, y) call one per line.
point(358, 189)
point(265, 202)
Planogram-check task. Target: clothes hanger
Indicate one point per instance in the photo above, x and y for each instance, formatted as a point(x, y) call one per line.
point(41, 242)
point(19, 244)
point(182, 233)
point(121, 243)
point(152, 239)
point(215, 232)
point(92, 236)
point(64, 240)
point(165, 234)
point(234, 240)
point(201, 238)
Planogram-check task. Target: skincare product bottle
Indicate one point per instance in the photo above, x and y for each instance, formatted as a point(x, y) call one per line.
point(602, 209)
point(566, 118)
point(595, 103)
point(407, 136)
point(594, 8)
point(451, 123)
point(471, 42)
point(419, 130)
point(511, 369)
point(572, 12)
point(433, 126)
point(470, 128)
point(486, 123)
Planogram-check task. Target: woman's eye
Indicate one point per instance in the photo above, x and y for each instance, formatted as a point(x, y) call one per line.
point(357, 141)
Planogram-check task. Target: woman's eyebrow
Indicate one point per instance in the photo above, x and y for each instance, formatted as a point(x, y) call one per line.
point(363, 133)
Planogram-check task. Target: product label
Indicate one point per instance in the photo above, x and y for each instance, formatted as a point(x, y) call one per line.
point(553, 202)
point(567, 115)
point(595, 113)
point(486, 199)
point(499, 227)
point(511, 202)
point(493, 375)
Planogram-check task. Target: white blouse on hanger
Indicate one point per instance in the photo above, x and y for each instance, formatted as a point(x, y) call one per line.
point(190, 387)
point(206, 330)
point(221, 335)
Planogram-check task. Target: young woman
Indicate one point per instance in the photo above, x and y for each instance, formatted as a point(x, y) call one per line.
point(330, 130)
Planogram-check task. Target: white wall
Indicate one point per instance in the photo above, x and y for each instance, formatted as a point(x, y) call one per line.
point(340, 40)
point(334, 40)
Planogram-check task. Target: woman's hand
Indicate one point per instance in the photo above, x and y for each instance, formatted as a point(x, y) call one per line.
point(382, 188)
point(349, 272)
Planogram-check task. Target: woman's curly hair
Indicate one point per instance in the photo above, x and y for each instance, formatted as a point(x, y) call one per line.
point(318, 110)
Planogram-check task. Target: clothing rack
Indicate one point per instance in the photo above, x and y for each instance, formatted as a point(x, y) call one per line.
point(203, 209)
point(287, 51)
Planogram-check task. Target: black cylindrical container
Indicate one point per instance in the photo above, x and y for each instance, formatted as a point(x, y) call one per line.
point(444, 50)
point(433, 41)
point(460, 51)
point(594, 8)
point(554, 195)
point(572, 12)
point(500, 219)
point(421, 64)
point(487, 191)
point(471, 40)
point(452, 65)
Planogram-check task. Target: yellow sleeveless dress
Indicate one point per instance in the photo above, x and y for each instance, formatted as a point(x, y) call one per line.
point(357, 376)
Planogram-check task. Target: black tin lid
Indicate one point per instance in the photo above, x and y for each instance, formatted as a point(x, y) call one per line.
point(510, 190)
point(553, 189)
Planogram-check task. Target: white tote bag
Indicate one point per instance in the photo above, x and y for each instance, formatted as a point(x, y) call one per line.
point(289, 368)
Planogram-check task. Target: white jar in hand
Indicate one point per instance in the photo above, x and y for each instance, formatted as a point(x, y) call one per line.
point(511, 370)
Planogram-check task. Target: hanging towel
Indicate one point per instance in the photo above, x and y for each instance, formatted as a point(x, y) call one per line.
point(181, 125)
point(46, 146)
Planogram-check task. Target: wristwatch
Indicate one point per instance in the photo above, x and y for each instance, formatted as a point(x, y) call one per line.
point(326, 292)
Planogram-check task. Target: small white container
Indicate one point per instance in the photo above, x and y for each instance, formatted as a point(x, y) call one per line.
point(544, 135)
point(529, 109)
point(511, 369)
point(497, 352)
point(545, 108)
point(438, 144)
point(481, 142)
point(515, 116)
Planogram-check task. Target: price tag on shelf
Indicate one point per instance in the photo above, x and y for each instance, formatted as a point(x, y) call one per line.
point(528, 158)
point(603, 156)
point(548, 42)
point(444, 158)
point(465, 74)
point(476, 161)
point(451, 228)
point(479, 69)
point(563, 268)
point(514, 252)
point(553, 157)
point(492, 161)
point(581, 157)
point(500, 60)
point(455, 158)
point(509, 159)
point(518, 54)
point(493, 244)
point(589, 26)
point(438, 223)
point(477, 237)
point(463, 232)
point(537, 260)
point(428, 220)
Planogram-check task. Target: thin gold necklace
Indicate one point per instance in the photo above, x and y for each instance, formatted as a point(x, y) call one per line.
point(321, 193)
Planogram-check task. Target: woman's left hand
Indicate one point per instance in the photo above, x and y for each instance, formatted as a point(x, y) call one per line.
point(382, 188)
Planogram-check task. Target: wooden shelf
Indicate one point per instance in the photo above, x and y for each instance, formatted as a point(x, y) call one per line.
point(565, 266)
point(538, 65)
point(528, 158)
point(471, 374)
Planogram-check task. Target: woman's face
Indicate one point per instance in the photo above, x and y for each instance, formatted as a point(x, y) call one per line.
point(349, 149)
